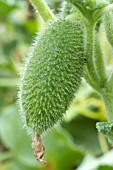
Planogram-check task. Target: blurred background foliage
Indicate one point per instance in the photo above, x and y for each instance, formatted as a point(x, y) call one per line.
point(75, 143)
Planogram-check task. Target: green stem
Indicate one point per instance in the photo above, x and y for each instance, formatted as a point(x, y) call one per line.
point(99, 61)
point(90, 54)
point(40, 23)
point(108, 102)
point(8, 82)
point(107, 97)
point(43, 9)
point(110, 83)
point(89, 79)
point(102, 11)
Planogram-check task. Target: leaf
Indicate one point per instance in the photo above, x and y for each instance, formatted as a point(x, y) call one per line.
point(84, 134)
point(5, 156)
point(5, 9)
point(106, 128)
point(16, 165)
point(101, 163)
point(14, 136)
point(60, 151)
point(10, 127)
point(105, 167)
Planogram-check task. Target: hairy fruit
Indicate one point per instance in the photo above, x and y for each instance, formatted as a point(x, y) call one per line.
point(52, 74)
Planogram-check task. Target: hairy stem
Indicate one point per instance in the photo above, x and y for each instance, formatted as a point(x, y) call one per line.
point(96, 74)
point(110, 83)
point(40, 23)
point(108, 102)
point(89, 79)
point(43, 9)
point(101, 12)
point(99, 61)
point(107, 96)
point(90, 54)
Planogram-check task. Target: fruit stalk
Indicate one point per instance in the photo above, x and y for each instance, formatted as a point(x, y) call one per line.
point(43, 9)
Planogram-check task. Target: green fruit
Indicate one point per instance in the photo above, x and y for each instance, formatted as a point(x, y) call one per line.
point(108, 21)
point(52, 74)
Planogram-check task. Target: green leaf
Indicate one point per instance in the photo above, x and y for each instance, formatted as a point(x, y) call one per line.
point(105, 167)
point(10, 127)
point(84, 134)
point(89, 7)
point(5, 156)
point(14, 136)
point(102, 163)
point(5, 9)
point(16, 165)
point(106, 128)
point(60, 151)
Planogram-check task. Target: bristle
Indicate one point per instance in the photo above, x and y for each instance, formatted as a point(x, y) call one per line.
point(52, 74)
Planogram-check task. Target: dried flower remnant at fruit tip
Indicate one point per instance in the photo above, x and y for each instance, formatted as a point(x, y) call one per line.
point(38, 149)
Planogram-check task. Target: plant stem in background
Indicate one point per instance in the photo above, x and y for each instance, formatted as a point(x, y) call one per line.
point(8, 82)
point(43, 9)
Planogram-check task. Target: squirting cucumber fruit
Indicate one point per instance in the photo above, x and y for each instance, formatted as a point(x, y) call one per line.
point(52, 74)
